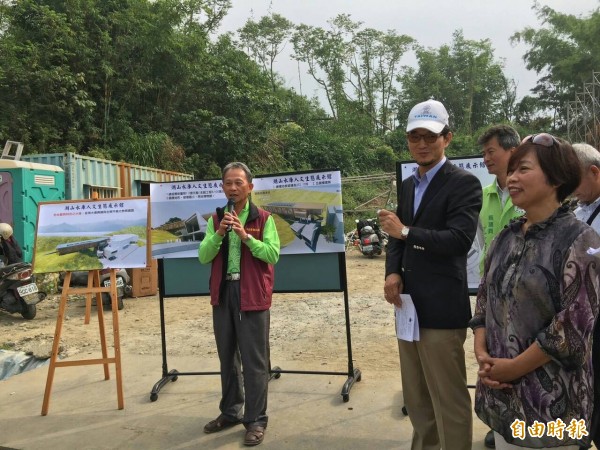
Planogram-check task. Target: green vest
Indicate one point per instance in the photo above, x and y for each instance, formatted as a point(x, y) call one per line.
point(493, 217)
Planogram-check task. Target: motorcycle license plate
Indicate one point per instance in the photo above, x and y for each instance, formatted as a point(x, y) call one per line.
point(120, 282)
point(28, 289)
point(367, 248)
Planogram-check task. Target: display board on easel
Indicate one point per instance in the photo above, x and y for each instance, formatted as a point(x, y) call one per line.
point(307, 208)
point(92, 234)
point(89, 235)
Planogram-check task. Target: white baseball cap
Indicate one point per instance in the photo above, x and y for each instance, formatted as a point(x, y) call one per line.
point(431, 115)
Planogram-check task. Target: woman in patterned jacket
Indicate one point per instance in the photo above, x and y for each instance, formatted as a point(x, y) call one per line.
point(536, 308)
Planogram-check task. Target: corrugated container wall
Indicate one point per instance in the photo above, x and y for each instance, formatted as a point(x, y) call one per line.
point(87, 177)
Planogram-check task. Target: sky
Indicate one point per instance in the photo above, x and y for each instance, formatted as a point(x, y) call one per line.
point(433, 26)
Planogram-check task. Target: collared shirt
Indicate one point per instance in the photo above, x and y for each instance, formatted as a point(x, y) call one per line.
point(584, 211)
point(422, 182)
point(502, 193)
point(266, 250)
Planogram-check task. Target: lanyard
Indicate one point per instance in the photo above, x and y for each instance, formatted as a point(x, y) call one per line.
point(593, 216)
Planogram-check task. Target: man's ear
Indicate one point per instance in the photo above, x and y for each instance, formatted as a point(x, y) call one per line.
point(595, 170)
point(448, 138)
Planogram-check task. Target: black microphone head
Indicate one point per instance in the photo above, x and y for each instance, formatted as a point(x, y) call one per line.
point(230, 205)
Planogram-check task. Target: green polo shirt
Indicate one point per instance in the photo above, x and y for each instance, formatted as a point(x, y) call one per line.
point(266, 250)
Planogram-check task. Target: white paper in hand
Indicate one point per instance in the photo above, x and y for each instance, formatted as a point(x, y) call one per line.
point(407, 323)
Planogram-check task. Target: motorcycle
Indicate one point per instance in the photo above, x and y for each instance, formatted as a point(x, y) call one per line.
point(18, 290)
point(371, 239)
point(79, 278)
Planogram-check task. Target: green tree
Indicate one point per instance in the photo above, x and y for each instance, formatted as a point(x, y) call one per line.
point(465, 76)
point(144, 82)
point(374, 67)
point(564, 51)
point(326, 53)
point(230, 107)
point(204, 15)
point(266, 39)
point(43, 97)
point(356, 67)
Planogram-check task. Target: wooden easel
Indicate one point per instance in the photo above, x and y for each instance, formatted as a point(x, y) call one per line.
point(93, 287)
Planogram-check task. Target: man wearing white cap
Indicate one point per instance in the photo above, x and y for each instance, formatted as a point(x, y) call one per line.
point(430, 236)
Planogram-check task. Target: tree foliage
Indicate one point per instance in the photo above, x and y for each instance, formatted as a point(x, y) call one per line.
point(465, 76)
point(265, 40)
point(355, 66)
point(564, 51)
point(151, 82)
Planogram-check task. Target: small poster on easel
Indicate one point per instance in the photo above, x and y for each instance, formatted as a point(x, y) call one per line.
point(92, 235)
point(89, 235)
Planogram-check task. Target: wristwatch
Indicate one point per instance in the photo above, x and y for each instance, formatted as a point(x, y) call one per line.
point(404, 232)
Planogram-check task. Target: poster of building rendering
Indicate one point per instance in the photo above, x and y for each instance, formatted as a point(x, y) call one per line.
point(306, 206)
point(476, 166)
point(92, 234)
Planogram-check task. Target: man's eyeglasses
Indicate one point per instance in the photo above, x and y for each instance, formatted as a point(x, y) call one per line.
point(429, 138)
point(545, 139)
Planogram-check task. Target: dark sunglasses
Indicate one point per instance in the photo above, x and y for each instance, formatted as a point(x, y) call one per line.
point(429, 138)
point(545, 139)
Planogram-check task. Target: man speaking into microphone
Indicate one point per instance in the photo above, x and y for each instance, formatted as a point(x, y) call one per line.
point(242, 245)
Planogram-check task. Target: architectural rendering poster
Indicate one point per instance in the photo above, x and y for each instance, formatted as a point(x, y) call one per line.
point(92, 234)
point(476, 166)
point(307, 208)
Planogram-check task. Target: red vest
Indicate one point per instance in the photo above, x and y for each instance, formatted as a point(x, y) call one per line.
point(256, 277)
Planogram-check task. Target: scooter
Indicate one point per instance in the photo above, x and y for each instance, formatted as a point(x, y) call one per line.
point(18, 290)
point(371, 240)
point(79, 278)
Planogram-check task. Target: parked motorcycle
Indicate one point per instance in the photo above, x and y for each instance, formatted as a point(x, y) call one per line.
point(18, 290)
point(79, 279)
point(371, 239)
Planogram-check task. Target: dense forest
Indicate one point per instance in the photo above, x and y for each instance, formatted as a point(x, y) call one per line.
point(154, 83)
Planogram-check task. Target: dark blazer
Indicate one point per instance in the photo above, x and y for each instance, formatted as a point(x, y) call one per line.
point(433, 259)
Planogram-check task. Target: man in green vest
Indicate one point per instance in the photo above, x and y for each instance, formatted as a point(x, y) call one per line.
point(497, 144)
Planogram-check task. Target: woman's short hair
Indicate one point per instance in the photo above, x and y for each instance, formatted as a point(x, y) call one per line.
point(558, 162)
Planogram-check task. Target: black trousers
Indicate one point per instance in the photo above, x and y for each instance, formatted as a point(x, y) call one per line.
point(242, 341)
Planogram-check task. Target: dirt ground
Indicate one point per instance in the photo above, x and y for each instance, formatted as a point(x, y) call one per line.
point(308, 330)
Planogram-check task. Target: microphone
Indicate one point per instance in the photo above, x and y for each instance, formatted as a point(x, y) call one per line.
point(230, 204)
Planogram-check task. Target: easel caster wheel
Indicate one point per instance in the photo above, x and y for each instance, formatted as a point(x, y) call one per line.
point(277, 376)
point(174, 379)
point(345, 397)
point(404, 411)
point(153, 397)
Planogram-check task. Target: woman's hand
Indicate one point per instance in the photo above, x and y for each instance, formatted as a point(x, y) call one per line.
point(488, 372)
point(484, 360)
point(498, 371)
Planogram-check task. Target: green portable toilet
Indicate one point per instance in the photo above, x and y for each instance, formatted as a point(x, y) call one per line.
point(23, 185)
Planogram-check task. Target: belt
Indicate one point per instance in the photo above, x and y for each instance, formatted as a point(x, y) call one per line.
point(232, 276)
